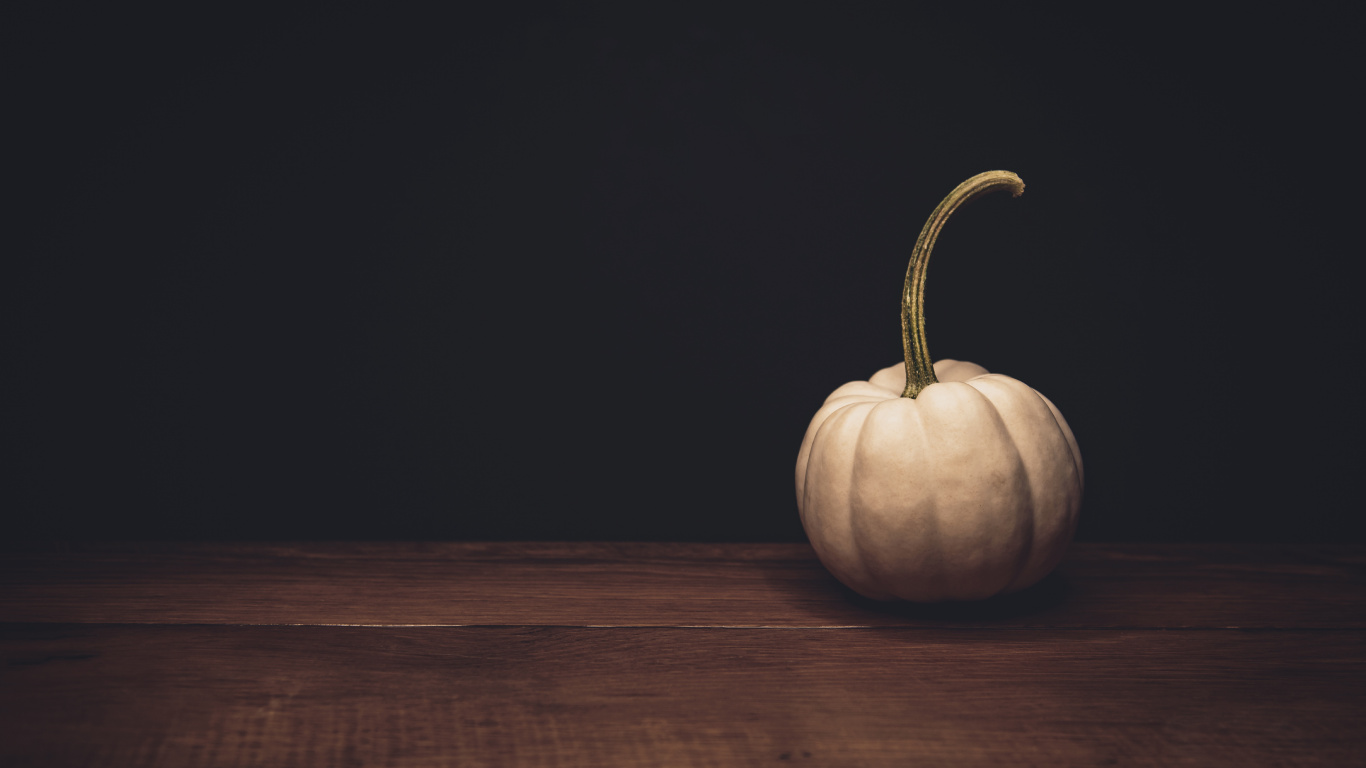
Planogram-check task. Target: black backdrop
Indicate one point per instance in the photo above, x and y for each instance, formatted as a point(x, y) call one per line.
point(586, 271)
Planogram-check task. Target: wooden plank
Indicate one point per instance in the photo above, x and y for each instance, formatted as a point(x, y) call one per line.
point(656, 584)
point(190, 696)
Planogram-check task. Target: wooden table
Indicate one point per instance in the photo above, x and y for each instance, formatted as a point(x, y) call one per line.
point(596, 654)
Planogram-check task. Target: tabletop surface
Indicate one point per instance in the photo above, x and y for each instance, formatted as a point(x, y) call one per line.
point(670, 654)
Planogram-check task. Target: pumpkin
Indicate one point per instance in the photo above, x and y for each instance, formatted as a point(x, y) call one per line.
point(938, 482)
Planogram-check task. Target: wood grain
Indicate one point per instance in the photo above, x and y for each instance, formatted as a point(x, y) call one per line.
point(631, 654)
point(227, 696)
point(656, 584)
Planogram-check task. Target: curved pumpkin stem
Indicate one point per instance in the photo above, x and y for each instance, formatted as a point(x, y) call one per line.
point(919, 366)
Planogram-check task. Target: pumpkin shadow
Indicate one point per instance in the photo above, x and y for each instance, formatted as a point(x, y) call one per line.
point(1049, 593)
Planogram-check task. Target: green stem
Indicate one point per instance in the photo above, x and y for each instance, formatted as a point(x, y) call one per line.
point(919, 367)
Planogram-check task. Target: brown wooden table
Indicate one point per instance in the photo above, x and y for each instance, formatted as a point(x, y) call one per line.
point(595, 654)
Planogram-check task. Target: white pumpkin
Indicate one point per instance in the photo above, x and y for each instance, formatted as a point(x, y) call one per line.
point(969, 490)
point(958, 485)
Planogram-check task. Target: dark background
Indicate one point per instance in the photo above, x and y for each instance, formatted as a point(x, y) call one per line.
point(586, 271)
